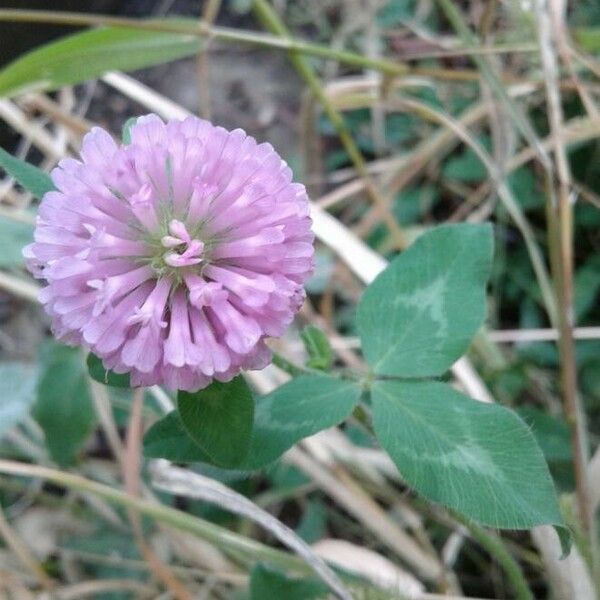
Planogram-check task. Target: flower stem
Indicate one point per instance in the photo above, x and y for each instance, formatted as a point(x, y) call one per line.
point(559, 210)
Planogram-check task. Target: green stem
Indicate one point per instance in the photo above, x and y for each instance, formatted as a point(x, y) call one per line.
point(495, 547)
point(222, 538)
point(288, 366)
point(202, 29)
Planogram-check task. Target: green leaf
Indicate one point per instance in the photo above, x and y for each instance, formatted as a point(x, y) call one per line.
point(302, 407)
point(267, 584)
point(395, 12)
point(64, 407)
point(13, 236)
point(467, 167)
point(34, 180)
point(419, 315)
point(478, 459)
point(76, 58)
point(318, 348)
point(526, 189)
point(109, 542)
point(313, 523)
point(168, 439)
point(17, 393)
point(219, 419)
point(99, 373)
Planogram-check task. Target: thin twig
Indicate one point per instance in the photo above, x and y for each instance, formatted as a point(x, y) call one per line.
point(209, 14)
point(182, 482)
point(561, 245)
point(131, 473)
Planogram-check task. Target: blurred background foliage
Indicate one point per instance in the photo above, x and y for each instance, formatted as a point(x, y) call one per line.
point(427, 174)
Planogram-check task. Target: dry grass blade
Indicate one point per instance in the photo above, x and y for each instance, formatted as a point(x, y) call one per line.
point(270, 19)
point(370, 565)
point(91, 589)
point(357, 502)
point(182, 482)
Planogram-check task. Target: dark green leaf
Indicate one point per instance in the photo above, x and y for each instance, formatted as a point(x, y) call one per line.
point(17, 393)
point(64, 407)
point(590, 378)
point(466, 168)
point(526, 189)
point(301, 407)
point(34, 180)
point(99, 373)
point(479, 459)
point(419, 315)
point(552, 433)
point(168, 439)
point(268, 584)
point(81, 56)
point(411, 204)
point(394, 12)
point(219, 419)
point(318, 348)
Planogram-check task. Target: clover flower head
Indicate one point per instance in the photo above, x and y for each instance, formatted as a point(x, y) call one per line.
point(175, 256)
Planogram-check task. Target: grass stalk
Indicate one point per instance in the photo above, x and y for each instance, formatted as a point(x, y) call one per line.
point(269, 18)
point(560, 222)
point(227, 541)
